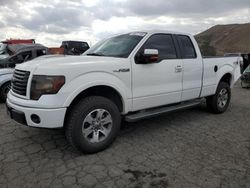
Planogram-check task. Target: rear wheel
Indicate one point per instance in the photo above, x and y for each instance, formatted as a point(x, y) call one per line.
point(219, 102)
point(4, 91)
point(93, 124)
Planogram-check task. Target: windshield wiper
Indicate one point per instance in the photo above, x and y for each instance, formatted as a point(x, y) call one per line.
point(96, 54)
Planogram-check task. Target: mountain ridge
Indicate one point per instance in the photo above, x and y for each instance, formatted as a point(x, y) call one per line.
point(221, 39)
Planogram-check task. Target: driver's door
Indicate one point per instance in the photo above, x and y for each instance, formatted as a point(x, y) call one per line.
point(160, 83)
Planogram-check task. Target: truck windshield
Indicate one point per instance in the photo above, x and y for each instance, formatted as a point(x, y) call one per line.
point(118, 46)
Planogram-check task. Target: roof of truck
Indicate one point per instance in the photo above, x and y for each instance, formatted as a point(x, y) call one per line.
point(16, 48)
point(168, 31)
point(161, 31)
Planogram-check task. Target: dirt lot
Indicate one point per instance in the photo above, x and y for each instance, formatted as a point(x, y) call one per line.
point(191, 148)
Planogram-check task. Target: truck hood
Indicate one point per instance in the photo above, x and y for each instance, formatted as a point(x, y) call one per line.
point(63, 60)
point(72, 65)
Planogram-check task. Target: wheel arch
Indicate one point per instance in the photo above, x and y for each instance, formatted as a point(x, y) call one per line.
point(99, 90)
point(3, 84)
point(226, 74)
point(5, 79)
point(227, 77)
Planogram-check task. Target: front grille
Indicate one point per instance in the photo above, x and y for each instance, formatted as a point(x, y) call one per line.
point(19, 82)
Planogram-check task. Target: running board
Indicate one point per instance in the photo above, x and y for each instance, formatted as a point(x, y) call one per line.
point(161, 110)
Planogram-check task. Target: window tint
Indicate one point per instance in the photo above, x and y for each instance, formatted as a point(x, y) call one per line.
point(164, 44)
point(21, 57)
point(24, 56)
point(84, 45)
point(187, 47)
point(118, 46)
point(78, 45)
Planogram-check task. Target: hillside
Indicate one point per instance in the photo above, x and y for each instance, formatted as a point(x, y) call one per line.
point(222, 39)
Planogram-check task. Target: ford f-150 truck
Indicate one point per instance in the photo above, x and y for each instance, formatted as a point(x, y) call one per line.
point(129, 77)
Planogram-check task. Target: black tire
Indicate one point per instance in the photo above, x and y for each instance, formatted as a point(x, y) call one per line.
point(78, 115)
point(4, 91)
point(213, 103)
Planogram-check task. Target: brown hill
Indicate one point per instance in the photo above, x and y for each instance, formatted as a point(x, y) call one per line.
point(222, 39)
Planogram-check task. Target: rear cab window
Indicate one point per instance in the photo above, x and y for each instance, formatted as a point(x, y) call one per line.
point(186, 47)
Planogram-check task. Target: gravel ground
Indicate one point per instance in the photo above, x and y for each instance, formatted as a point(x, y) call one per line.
point(191, 148)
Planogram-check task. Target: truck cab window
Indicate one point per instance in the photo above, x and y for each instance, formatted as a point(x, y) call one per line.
point(24, 56)
point(163, 43)
point(187, 47)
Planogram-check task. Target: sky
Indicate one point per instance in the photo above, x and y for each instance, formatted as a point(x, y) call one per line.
point(52, 21)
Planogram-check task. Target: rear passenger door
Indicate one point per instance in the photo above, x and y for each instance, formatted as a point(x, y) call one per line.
point(160, 83)
point(192, 68)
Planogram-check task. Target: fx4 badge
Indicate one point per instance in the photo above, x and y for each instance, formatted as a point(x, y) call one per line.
point(121, 70)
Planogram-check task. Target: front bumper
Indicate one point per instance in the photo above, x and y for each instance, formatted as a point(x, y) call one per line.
point(49, 118)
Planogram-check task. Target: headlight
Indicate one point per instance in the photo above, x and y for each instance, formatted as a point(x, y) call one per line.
point(42, 85)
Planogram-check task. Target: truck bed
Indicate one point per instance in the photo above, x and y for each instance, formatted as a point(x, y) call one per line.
point(214, 67)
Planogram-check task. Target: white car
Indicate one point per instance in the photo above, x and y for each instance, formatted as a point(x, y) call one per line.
point(130, 76)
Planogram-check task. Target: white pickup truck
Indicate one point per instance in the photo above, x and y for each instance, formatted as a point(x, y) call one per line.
point(129, 76)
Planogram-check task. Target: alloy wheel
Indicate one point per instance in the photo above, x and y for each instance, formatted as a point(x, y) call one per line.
point(97, 125)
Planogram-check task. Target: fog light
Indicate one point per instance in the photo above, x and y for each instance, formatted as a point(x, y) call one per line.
point(35, 118)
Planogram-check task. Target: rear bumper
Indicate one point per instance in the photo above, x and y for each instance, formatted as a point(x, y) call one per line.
point(48, 118)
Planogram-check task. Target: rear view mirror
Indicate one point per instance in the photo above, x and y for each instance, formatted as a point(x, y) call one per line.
point(148, 56)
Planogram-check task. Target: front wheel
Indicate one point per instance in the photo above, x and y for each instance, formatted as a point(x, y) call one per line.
point(219, 102)
point(93, 124)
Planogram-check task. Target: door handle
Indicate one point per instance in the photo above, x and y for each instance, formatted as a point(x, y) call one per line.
point(178, 68)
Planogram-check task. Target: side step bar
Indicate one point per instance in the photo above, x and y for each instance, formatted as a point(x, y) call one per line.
point(161, 110)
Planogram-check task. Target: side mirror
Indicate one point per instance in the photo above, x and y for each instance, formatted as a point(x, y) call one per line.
point(148, 56)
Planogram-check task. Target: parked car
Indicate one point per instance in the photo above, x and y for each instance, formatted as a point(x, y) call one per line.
point(4, 45)
point(17, 54)
point(74, 47)
point(3, 51)
point(130, 76)
point(245, 78)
